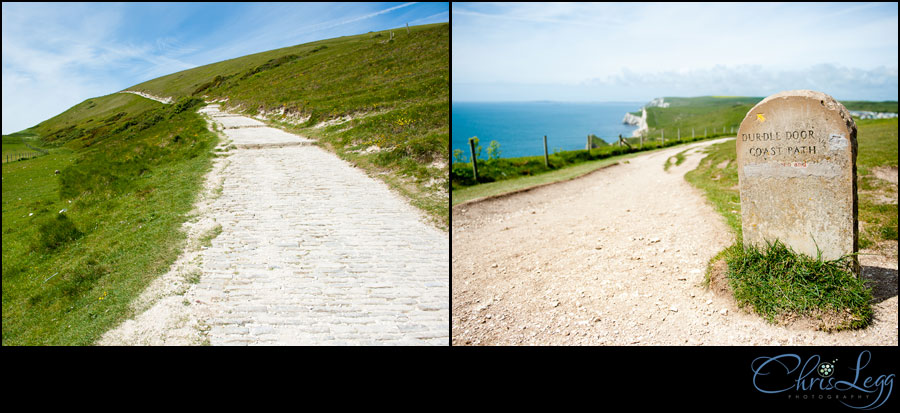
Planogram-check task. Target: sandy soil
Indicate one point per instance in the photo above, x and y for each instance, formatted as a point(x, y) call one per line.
point(617, 258)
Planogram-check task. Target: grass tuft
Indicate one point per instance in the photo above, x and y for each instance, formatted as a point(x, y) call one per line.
point(780, 284)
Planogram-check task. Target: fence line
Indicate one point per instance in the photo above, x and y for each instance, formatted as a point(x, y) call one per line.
point(16, 156)
point(620, 141)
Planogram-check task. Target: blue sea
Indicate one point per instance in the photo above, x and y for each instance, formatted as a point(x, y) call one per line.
point(519, 127)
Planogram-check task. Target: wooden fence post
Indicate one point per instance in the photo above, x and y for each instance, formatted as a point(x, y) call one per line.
point(692, 133)
point(546, 159)
point(679, 134)
point(474, 160)
point(662, 136)
point(642, 140)
point(623, 141)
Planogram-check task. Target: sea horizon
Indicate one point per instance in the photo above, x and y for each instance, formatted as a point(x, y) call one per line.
point(519, 126)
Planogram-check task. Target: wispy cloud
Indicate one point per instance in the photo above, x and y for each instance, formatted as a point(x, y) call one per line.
point(55, 56)
point(434, 18)
point(559, 48)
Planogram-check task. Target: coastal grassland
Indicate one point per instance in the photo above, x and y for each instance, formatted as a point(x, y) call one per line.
point(716, 115)
point(708, 113)
point(378, 101)
point(814, 287)
point(78, 247)
point(529, 170)
point(889, 106)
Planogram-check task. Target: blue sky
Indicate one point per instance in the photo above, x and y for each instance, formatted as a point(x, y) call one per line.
point(639, 51)
point(56, 55)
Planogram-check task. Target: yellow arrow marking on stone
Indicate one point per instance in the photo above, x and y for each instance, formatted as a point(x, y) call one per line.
point(760, 118)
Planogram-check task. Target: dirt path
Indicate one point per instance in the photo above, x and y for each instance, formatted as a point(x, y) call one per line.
point(166, 100)
point(310, 251)
point(615, 258)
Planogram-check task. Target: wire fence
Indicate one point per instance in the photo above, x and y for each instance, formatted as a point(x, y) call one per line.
point(18, 156)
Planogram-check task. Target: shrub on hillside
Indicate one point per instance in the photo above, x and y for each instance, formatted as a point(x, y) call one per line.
point(185, 103)
point(57, 231)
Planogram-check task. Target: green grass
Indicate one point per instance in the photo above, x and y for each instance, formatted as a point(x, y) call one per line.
point(679, 159)
point(396, 91)
point(126, 189)
point(780, 284)
point(886, 106)
point(878, 144)
point(512, 185)
point(530, 167)
point(720, 185)
point(877, 148)
point(706, 113)
point(21, 145)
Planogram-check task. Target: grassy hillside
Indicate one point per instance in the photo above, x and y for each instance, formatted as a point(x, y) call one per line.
point(89, 223)
point(80, 245)
point(712, 113)
point(377, 101)
point(701, 113)
point(886, 106)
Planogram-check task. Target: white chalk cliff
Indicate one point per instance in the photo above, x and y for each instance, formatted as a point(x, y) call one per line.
point(640, 122)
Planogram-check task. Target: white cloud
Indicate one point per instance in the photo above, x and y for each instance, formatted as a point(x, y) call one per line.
point(55, 56)
point(843, 83)
point(691, 44)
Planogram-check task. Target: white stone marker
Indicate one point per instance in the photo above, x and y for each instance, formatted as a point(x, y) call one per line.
point(796, 159)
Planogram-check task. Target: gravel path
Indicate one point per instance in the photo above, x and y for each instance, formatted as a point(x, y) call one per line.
point(615, 258)
point(311, 252)
point(166, 100)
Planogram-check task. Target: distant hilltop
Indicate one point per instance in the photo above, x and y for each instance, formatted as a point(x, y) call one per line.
point(641, 121)
point(658, 102)
point(631, 119)
point(713, 111)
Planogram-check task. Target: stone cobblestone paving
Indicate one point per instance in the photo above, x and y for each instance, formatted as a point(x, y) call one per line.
point(311, 252)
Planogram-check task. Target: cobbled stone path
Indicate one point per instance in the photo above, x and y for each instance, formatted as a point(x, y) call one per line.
point(314, 252)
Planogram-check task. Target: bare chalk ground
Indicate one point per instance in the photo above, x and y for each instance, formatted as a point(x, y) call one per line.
point(616, 257)
point(311, 251)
